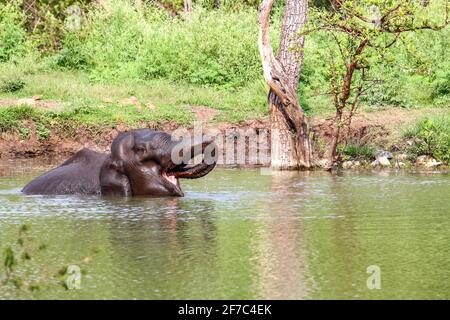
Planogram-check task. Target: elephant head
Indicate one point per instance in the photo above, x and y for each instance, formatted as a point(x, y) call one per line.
point(150, 163)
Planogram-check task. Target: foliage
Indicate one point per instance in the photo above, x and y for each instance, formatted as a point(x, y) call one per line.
point(431, 137)
point(47, 20)
point(216, 48)
point(389, 60)
point(357, 151)
point(10, 117)
point(65, 122)
point(213, 48)
point(174, 101)
point(13, 38)
point(72, 54)
point(360, 33)
point(11, 85)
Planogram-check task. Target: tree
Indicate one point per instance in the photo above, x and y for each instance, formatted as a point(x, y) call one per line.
point(291, 147)
point(363, 30)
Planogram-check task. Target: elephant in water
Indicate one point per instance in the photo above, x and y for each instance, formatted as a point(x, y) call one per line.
point(142, 162)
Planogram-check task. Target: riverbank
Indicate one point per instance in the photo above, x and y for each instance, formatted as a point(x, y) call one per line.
point(59, 113)
point(36, 133)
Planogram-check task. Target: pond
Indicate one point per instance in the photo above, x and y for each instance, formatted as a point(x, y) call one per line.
point(238, 233)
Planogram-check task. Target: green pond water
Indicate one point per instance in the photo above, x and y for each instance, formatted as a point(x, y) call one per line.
point(236, 234)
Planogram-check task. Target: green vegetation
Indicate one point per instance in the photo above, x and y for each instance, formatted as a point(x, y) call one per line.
point(410, 71)
point(22, 269)
point(209, 58)
point(10, 86)
point(210, 48)
point(66, 122)
point(357, 151)
point(14, 42)
point(431, 136)
point(80, 101)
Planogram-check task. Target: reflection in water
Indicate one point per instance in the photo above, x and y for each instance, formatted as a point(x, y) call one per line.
point(162, 239)
point(240, 234)
point(282, 244)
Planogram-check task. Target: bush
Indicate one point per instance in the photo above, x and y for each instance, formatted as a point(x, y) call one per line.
point(13, 37)
point(412, 73)
point(217, 48)
point(432, 137)
point(71, 56)
point(11, 85)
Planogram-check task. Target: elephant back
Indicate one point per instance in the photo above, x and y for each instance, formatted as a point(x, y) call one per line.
point(77, 175)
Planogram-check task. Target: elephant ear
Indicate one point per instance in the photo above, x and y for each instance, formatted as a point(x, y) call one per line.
point(113, 180)
point(122, 148)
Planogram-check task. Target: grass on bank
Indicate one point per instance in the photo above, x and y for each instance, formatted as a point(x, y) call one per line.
point(96, 103)
point(356, 151)
point(431, 136)
point(80, 101)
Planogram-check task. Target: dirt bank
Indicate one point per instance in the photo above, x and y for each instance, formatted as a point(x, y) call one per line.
point(381, 129)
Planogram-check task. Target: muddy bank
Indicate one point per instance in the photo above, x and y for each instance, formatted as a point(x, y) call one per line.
point(59, 142)
point(380, 130)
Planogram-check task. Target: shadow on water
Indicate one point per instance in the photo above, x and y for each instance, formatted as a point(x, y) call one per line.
point(243, 234)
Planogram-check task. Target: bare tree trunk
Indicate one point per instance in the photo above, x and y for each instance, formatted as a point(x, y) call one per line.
point(291, 147)
point(336, 133)
point(341, 100)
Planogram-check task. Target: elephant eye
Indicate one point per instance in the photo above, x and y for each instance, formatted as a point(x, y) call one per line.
point(140, 149)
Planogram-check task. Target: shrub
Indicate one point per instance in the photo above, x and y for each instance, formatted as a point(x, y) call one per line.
point(212, 47)
point(72, 54)
point(13, 37)
point(432, 137)
point(217, 48)
point(11, 85)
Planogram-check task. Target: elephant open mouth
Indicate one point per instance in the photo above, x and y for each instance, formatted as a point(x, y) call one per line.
point(190, 171)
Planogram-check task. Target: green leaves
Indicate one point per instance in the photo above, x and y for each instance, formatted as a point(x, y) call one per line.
point(11, 85)
point(13, 37)
point(215, 48)
point(431, 137)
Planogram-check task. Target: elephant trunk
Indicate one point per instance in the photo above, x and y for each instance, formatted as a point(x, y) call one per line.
point(188, 149)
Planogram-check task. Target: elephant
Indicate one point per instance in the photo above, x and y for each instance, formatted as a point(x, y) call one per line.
point(142, 162)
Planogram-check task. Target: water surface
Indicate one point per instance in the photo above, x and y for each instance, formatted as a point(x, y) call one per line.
point(238, 234)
